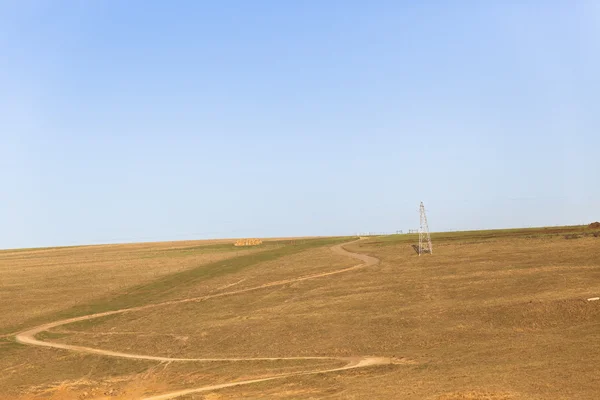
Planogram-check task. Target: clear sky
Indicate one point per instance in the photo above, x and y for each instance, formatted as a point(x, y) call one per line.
point(159, 120)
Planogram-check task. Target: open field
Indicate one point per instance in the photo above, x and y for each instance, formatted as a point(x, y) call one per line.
point(35, 282)
point(490, 315)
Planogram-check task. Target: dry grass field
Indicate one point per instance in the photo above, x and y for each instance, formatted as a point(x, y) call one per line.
point(36, 282)
point(490, 315)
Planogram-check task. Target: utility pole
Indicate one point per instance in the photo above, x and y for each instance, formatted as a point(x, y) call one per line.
point(424, 238)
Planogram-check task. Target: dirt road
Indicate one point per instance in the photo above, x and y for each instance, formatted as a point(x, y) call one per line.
point(29, 336)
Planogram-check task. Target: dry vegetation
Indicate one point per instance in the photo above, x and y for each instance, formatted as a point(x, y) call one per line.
point(36, 282)
point(492, 315)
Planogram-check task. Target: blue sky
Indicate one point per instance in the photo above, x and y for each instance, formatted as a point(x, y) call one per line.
point(147, 120)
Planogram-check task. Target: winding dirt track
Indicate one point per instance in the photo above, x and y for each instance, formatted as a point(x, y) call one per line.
point(28, 336)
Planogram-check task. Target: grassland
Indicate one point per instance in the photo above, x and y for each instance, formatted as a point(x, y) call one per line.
point(38, 282)
point(490, 315)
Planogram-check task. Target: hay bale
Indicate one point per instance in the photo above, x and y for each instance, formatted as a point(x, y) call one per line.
point(248, 242)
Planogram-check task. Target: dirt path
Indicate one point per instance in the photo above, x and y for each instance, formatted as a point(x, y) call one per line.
point(28, 336)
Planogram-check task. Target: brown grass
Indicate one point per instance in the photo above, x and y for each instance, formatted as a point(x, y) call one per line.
point(493, 318)
point(36, 282)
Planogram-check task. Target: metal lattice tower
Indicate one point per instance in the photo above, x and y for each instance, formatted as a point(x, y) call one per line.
point(424, 238)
